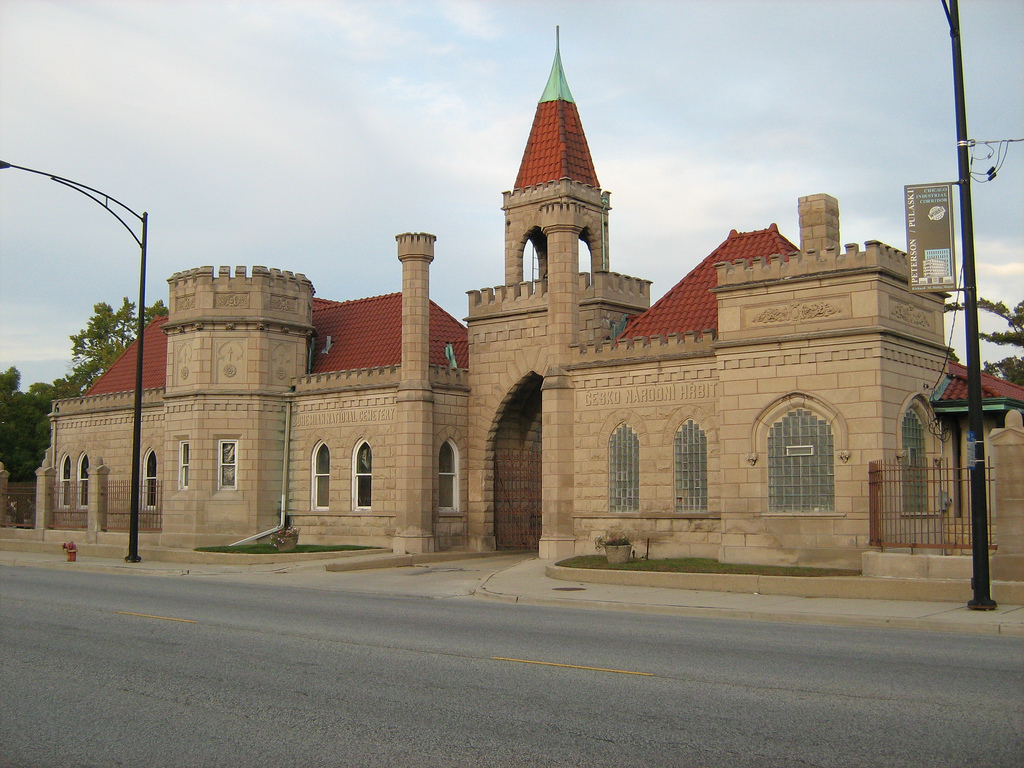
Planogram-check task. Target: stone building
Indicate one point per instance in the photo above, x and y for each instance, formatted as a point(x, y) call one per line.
point(736, 418)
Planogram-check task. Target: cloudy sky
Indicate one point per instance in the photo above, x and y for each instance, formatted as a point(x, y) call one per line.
point(305, 135)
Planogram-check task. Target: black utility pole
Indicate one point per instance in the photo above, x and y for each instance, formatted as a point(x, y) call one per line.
point(981, 582)
point(107, 202)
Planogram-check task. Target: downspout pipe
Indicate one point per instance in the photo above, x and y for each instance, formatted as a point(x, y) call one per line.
point(284, 479)
point(285, 461)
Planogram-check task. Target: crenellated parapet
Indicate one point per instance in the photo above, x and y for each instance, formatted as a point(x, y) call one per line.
point(237, 330)
point(114, 401)
point(632, 292)
point(381, 376)
point(552, 190)
point(877, 256)
point(673, 345)
point(267, 294)
point(444, 376)
point(527, 296)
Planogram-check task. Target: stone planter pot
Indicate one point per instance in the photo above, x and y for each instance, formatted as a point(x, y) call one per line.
point(618, 555)
point(286, 545)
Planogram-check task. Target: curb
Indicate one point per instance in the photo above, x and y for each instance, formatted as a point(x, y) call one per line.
point(837, 620)
point(855, 587)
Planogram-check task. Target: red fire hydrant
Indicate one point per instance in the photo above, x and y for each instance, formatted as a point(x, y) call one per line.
point(71, 550)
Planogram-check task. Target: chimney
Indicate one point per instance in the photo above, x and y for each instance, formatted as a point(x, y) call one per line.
point(819, 222)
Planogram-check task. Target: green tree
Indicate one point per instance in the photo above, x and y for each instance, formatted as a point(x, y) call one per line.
point(1009, 368)
point(24, 425)
point(95, 348)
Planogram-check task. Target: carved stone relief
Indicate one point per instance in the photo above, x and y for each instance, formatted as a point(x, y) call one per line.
point(231, 300)
point(281, 362)
point(795, 312)
point(230, 363)
point(183, 362)
point(909, 314)
point(282, 303)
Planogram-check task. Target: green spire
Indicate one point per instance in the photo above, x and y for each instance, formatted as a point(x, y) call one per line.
point(557, 88)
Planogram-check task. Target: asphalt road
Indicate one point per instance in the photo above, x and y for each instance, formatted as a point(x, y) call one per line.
point(112, 670)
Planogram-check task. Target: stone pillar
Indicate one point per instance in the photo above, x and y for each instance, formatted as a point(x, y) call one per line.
point(1006, 447)
point(44, 497)
point(414, 486)
point(819, 222)
point(97, 502)
point(562, 229)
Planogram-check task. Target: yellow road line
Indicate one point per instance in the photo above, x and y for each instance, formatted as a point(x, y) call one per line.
point(574, 666)
point(165, 618)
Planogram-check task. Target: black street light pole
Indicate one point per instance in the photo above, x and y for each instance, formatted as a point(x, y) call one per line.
point(981, 582)
point(105, 200)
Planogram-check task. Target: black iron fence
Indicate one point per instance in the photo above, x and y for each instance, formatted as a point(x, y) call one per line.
point(70, 506)
point(119, 505)
point(19, 509)
point(927, 507)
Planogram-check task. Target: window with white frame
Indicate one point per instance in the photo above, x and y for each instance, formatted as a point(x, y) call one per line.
point(184, 460)
point(227, 465)
point(691, 468)
point(362, 479)
point(801, 464)
point(624, 470)
point(83, 480)
point(66, 492)
point(447, 478)
point(321, 477)
point(150, 481)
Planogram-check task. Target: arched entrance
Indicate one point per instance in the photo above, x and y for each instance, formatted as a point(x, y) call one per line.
point(517, 467)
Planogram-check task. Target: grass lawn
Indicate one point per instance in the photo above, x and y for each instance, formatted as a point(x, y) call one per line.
point(700, 565)
point(267, 549)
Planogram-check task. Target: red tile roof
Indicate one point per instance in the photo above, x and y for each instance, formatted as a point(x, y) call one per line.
point(366, 333)
point(991, 386)
point(557, 147)
point(120, 377)
point(690, 305)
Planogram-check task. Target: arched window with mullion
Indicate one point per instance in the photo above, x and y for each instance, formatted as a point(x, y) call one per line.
point(691, 468)
point(624, 470)
point(321, 477)
point(801, 464)
point(150, 487)
point(363, 476)
point(447, 478)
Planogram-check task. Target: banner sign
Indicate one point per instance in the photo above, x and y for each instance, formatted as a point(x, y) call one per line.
point(929, 209)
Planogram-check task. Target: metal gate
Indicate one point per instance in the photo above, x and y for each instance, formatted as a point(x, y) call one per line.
point(517, 492)
point(923, 506)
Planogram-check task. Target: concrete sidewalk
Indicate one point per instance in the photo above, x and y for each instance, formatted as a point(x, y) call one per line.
point(525, 579)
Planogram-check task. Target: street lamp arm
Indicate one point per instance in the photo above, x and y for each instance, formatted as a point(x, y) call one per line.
point(105, 200)
point(101, 198)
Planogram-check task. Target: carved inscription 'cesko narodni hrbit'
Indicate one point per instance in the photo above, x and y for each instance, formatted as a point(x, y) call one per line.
point(653, 393)
point(796, 312)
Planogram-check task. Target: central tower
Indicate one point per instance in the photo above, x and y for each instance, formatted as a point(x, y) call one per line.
point(524, 334)
point(556, 176)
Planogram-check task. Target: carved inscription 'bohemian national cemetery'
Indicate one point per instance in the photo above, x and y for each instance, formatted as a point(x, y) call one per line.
point(344, 416)
point(655, 393)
